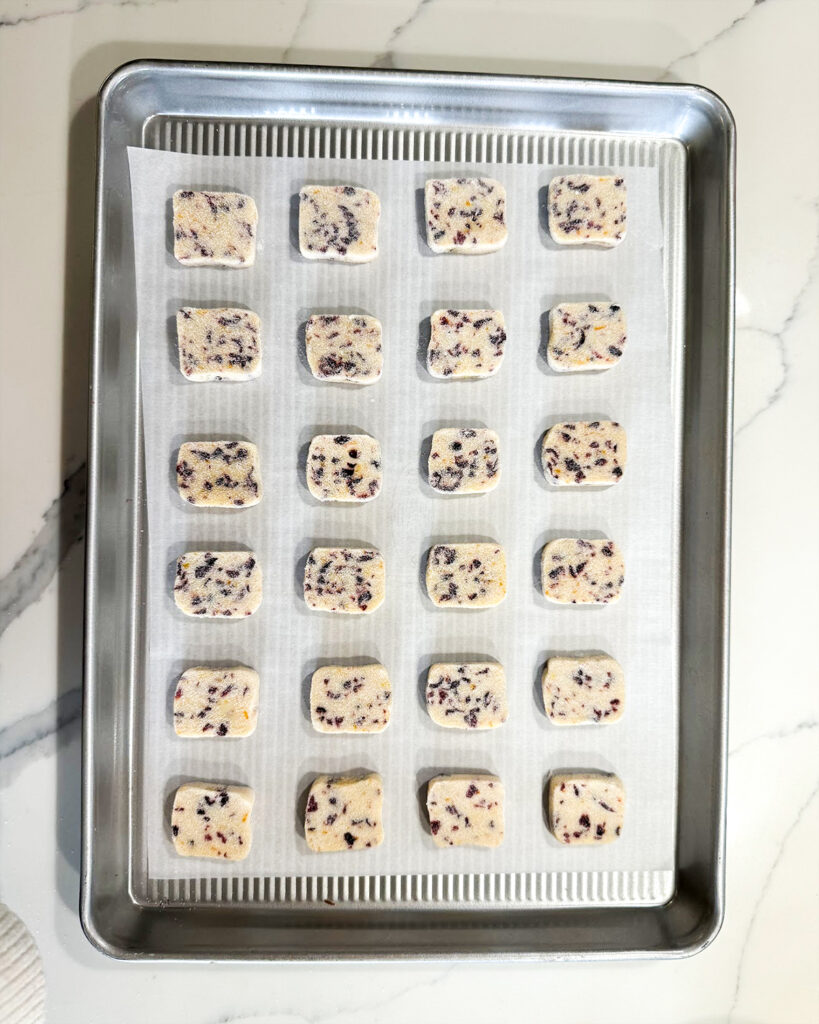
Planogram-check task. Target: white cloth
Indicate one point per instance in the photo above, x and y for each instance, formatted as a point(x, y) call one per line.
point(22, 984)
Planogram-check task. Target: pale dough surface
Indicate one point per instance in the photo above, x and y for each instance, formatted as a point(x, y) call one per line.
point(578, 571)
point(219, 474)
point(586, 808)
point(346, 349)
point(219, 344)
point(465, 215)
point(587, 209)
point(215, 229)
point(466, 575)
point(348, 580)
point(344, 812)
point(338, 222)
point(585, 336)
point(218, 584)
point(466, 810)
point(465, 342)
point(470, 695)
point(464, 460)
point(581, 689)
point(212, 820)
point(213, 702)
point(344, 467)
point(584, 454)
point(350, 699)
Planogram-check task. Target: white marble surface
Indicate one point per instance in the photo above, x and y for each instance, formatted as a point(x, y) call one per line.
point(761, 57)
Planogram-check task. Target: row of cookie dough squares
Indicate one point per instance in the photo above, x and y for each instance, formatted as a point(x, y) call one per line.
point(340, 222)
point(349, 467)
point(226, 344)
point(345, 813)
point(212, 703)
point(228, 584)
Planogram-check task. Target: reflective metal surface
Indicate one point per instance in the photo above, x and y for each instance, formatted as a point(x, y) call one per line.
point(139, 105)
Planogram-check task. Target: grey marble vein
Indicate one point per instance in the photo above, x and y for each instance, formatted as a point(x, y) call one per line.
point(778, 338)
point(763, 892)
point(63, 526)
point(335, 1015)
point(779, 734)
point(305, 11)
point(387, 58)
point(713, 39)
point(27, 732)
point(83, 5)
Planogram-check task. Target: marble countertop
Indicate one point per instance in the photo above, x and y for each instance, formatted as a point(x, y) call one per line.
point(760, 56)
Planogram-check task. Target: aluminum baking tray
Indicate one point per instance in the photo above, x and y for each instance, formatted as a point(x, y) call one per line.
point(255, 110)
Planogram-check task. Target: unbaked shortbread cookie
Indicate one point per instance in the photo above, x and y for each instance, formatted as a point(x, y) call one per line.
point(215, 229)
point(344, 348)
point(466, 575)
point(357, 699)
point(586, 807)
point(465, 810)
point(585, 336)
point(218, 584)
point(219, 474)
point(210, 702)
point(344, 580)
point(219, 344)
point(344, 467)
point(464, 460)
point(584, 454)
point(344, 812)
point(465, 342)
point(583, 688)
point(587, 209)
point(578, 571)
point(471, 695)
point(465, 215)
point(338, 222)
point(212, 820)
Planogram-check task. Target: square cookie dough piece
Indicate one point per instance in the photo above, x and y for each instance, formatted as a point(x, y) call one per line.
point(465, 215)
point(465, 810)
point(581, 688)
point(212, 820)
point(467, 696)
point(466, 342)
point(584, 454)
point(344, 467)
point(214, 229)
point(466, 575)
point(357, 699)
point(218, 584)
point(344, 812)
point(338, 222)
point(350, 580)
point(213, 702)
point(219, 474)
point(586, 807)
point(344, 348)
point(219, 344)
point(464, 460)
point(578, 571)
point(587, 209)
point(585, 336)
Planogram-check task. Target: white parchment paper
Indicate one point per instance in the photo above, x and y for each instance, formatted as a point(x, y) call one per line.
point(282, 410)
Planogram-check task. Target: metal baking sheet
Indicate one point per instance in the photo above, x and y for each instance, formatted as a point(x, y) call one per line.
point(254, 111)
